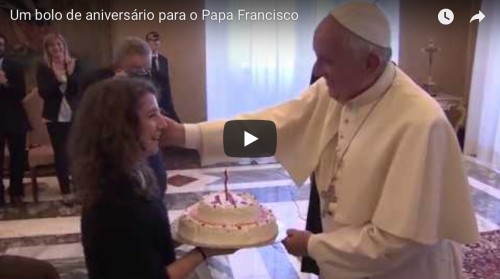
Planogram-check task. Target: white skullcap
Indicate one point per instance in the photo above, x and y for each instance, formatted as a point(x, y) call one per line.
point(365, 20)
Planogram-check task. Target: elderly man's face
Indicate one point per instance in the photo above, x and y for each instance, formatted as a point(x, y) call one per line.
point(342, 68)
point(135, 63)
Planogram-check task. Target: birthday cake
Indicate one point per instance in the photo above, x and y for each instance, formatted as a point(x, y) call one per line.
point(227, 220)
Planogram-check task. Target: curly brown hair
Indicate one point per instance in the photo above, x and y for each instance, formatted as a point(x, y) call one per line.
point(104, 141)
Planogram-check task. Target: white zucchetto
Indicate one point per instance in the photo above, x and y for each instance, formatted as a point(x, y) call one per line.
point(365, 20)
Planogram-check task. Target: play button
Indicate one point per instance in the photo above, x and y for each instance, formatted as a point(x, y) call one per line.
point(249, 138)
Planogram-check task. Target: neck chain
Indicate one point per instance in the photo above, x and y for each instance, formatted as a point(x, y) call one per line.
point(329, 194)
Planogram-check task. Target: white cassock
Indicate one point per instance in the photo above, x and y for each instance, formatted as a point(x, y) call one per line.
point(402, 204)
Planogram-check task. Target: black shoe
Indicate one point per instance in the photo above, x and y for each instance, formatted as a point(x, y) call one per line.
point(68, 200)
point(68, 204)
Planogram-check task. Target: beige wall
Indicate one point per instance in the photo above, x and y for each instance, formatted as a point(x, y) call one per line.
point(453, 63)
point(183, 42)
point(89, 41)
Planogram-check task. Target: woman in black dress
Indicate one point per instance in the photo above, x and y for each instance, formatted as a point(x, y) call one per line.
point(125, 227)
point(58, 80)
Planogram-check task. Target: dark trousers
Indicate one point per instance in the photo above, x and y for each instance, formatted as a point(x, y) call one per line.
point(16, 143)
point(313, 224)
point(59, 132)
point(13, 267)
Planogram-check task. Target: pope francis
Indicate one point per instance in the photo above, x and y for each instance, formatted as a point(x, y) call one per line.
point(394, 195)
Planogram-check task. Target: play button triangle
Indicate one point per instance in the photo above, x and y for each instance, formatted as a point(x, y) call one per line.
point(249, 138)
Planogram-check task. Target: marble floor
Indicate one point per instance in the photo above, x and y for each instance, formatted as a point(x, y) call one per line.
point(49, 232)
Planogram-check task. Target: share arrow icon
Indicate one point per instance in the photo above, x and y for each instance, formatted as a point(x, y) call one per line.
point(479, 16)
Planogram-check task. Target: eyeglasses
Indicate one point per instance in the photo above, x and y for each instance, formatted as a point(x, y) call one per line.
point(139, 73)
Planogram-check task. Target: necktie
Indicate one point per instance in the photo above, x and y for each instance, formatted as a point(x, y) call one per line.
point(155, 63)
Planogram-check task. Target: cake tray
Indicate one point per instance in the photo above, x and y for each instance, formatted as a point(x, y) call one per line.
point(280, 236)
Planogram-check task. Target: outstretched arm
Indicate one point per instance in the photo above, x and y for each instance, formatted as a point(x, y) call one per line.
point(299, 123)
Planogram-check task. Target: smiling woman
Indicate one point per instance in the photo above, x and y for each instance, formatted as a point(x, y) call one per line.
point(125, 227)
point(58, 81)
point(112, 134)
point(120, 195)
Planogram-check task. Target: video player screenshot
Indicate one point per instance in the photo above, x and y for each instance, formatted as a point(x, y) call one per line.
point(318, 139)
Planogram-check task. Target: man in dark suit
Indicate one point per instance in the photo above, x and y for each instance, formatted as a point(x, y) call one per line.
point(159, 70)
point(132, 59)
point(13, 124)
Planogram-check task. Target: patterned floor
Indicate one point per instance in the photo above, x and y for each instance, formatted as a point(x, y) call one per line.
point(46, 231)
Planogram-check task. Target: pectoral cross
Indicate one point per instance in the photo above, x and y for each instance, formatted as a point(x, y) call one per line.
point(327, 197)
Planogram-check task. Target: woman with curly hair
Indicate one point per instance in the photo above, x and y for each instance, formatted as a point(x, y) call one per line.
point(125, 227)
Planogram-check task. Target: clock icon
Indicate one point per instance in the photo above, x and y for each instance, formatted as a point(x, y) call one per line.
point(446, 16)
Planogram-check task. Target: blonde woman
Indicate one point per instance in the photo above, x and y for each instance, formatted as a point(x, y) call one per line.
point(58, 79)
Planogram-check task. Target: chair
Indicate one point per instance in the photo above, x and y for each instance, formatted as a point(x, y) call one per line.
point(40, 152)
point(17, 267)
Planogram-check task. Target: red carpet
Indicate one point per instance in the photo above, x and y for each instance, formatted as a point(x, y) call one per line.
point(482, 260)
